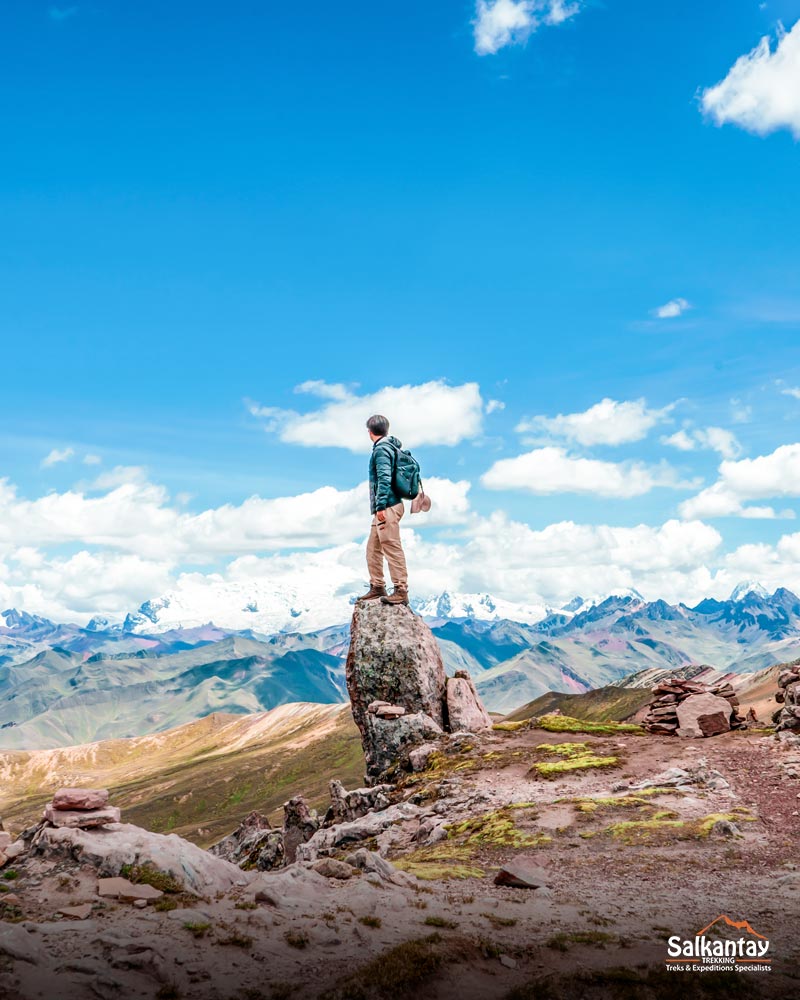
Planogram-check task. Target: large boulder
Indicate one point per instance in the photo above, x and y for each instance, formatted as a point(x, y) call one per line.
point(703, 715)
point(465, 711)
point(388, 742)
point(393, 659)
point(109, 848)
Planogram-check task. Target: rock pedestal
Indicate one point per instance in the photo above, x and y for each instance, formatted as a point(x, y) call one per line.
point(399, 692)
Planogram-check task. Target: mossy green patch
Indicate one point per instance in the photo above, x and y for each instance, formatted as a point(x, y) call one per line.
point(575, 757)
point(637, 830)
point(148, 875)
point(704, 826)
point(511, 727)
point(446, 860)
point(495, 829)
point(567, 724)
point(637, 800)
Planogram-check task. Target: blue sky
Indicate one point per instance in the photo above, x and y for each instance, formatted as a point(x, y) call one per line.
point(204, 207)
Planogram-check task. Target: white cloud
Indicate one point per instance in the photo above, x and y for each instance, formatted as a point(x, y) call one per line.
point(671, 309)
point(499, 23)
point(432, 413)
point(551, 470)
point(493, 405)
point(712, 438)
point(765, 477)
point(607, 422)
point(134, 515)
point(92, 460)
point(791, 391)
point(741, 413)
point(57, 455)
point(761, 92)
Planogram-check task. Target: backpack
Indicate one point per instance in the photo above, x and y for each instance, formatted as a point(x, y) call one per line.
point(406, 480)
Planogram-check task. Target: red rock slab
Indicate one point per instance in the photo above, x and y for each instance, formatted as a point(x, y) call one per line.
point(80, 798)
point(81, 820)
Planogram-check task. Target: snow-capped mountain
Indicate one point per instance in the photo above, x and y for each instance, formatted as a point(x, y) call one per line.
point(480, 607)
point(747, 587)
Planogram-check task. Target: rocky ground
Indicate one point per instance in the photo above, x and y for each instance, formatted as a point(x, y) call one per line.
point(714, 831)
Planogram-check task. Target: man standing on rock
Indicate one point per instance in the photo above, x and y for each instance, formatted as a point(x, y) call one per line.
point(387, 509)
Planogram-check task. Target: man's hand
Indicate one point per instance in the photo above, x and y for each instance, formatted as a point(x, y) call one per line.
point(381, 516)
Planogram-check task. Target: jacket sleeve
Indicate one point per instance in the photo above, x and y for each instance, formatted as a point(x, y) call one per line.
point(384, 465)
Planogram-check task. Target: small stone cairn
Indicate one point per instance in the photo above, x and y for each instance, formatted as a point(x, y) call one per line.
point(693, 709)
point(81, 809)
point(788, 697)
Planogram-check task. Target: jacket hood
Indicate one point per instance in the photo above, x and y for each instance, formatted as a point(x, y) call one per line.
point(391, 439)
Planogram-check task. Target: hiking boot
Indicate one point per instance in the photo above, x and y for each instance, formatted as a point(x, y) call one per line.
point(372, 594)
point(398, 596)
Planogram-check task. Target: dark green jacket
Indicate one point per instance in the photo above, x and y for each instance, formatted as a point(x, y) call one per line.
point(381, 467)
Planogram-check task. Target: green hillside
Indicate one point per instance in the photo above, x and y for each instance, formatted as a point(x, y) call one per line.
point(607, 704)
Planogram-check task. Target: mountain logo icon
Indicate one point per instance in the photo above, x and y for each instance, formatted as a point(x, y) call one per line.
point(739, 925)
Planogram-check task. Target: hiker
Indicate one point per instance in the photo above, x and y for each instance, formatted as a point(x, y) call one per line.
point(386, 507)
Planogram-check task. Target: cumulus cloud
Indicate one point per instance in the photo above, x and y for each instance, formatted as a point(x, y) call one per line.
point(499, 23)
point(672, 309)
point(712, 438)
point(551, 470)
point(493, 405)
point(761, 92)
point(428, 414)
point(607, 422)
point(792, 391)
point(57, 455)
point(776, 475)
point(134, 515)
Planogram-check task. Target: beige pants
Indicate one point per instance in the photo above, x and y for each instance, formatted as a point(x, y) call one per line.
point(384, 543)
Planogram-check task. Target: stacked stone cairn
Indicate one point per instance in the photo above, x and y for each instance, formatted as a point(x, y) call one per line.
point(81, 809)
point(693, 709)
point(788, 697)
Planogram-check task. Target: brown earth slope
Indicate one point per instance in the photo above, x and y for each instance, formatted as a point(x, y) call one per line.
point(625, 869)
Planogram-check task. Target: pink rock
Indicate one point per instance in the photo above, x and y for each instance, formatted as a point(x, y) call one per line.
point(81, 912)
point(703, 715)
point(81, 820)
point(127, 891)
point(465, 709)
point(389, 711)
point(521, 875)
point(5, 840)
point(80, 798)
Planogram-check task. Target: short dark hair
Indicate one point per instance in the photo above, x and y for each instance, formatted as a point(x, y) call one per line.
point(378, 424)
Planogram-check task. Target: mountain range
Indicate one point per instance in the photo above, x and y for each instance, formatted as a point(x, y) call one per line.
point(63, 684)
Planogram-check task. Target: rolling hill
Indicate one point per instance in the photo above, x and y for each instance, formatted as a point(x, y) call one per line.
point(199, 779)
